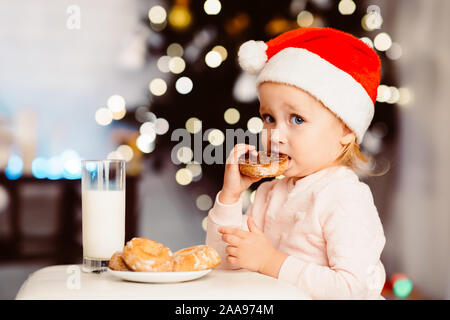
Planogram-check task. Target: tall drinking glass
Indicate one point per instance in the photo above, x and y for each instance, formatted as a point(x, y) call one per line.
point(103, 211)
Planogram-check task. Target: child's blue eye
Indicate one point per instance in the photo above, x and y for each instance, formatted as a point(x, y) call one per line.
point(296, 120)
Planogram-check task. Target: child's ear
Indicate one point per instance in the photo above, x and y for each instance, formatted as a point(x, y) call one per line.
point(348, 136)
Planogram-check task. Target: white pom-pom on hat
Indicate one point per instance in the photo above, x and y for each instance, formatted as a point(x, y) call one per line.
point(252, 56)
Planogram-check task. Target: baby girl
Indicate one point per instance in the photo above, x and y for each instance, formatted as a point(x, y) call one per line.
point(317, 227)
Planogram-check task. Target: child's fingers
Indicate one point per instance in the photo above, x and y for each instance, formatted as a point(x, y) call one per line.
point(239, 150)
point(232, 260)
point(231, 239)
point(232, 251)
point(234, 231)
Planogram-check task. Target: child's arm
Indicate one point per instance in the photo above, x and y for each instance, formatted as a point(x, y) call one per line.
point(227, 209)
point(354, 239)
point(230, 215)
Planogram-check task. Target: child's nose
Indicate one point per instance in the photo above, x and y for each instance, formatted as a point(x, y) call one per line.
point(278, 136)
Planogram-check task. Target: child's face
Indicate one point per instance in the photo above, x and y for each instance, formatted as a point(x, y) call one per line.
point(309, 133)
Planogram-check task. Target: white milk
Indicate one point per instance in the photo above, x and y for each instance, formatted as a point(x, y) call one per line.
point(103, 219)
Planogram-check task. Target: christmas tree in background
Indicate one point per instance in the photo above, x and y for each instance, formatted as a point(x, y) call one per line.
point(201, 86)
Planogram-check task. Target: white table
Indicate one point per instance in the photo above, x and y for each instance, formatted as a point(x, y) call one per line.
point(68, 282)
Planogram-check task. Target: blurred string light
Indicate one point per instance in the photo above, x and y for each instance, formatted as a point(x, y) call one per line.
point(71, 161)
point(212, 7)
point(401, 285)
point(180, 17)
point(195, 168)
point(148, 129)
point(367, 41)
point(255, 125)
point(347, 7)
point(205, 223)
point(126, 152)
point(373, 19)
point(184, 85)
point(222, 51)
point(39, 168)
point(175, 50)
point(163, 64)
point(114, 155)
point(237, 24)
point(55, 168)
point(406, 97)
point(216, 137)
point(116, 104)
point(176, 65)
point(382, 41)
point(204, 202)
point(213, 59)
point(183, 176)
point(145, 143)
point(305, 19)
point(244, 89)
point(14, 168)
point(395, 52)
point(185, 154)
point(161, 126)
point(157, 15)
point(193, 125)
point(158, 87)
point(231, 115)
point(142, 115)
point(103, 116)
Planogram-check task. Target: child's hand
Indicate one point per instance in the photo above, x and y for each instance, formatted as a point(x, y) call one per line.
point(234, 183)
point(250, 250)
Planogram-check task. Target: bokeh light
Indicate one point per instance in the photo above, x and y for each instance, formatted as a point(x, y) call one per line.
point(222, 51)
point(157, 14)
point(176, 65)
point(158, 87)
point(126, 151)
point(346, 7)
point(205, 223)
point(231, 115)
point(161, 126)
point(195, 168)
point(193, 125)
point(180, 17)
point(204, 202)
point(14, 168)
point(216, 137)
point(103, 116)
point(183, 176)
point(163, 64)
point(184, 155)
point(305, 19)
point(184, 85)
point(145, 143)
point(213, 59)
point(175, 50)
point(382, 41)
point(255, 125)
point(116, 103)
point(212, 7)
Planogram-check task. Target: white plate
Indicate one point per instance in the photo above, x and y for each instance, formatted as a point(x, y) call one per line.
point(158, 277)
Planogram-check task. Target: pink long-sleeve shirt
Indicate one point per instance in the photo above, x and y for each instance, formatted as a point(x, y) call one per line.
point(328, 225)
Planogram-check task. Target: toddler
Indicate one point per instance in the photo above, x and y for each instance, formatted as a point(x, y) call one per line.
point(317, 228)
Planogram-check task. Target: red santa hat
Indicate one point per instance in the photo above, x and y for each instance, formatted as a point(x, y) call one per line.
point(340, 70)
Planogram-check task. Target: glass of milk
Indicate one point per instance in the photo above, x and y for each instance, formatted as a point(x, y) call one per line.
point(103, 211)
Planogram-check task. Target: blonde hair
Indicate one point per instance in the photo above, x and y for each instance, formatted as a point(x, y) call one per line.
point(353, 158)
